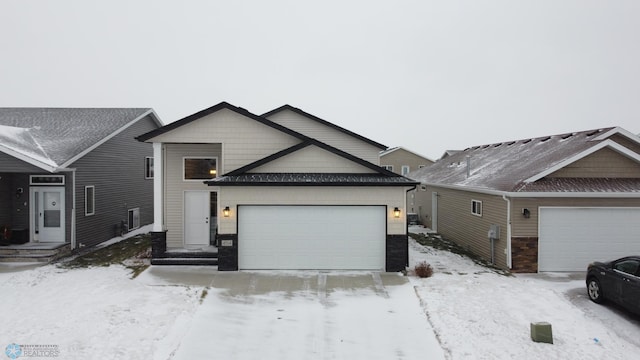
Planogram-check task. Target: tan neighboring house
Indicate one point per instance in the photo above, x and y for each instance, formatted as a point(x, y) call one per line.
point(282, 190)
point(554, 203)
point(402, 161)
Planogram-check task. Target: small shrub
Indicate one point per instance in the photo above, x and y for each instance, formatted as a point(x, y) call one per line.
point(423, 270)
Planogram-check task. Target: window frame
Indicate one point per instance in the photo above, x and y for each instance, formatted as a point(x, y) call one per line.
point(131, 214)
point(402, 172)
point(93, 200)
point(388, 167)
point(184, 167)
point(148, 167)
point(476, 207)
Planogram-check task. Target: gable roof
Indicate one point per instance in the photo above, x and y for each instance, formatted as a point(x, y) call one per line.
point(220, 106)
point(54, 138)
point(323, 122)
point(381, 177)
point(514, 166)
point(391, 150)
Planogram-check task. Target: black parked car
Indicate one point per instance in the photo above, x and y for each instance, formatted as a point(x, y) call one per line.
point(617, 281)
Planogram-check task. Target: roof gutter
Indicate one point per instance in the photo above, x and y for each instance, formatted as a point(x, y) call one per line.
point(529, 194)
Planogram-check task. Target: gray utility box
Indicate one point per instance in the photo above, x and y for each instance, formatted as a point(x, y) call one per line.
point(541, 332)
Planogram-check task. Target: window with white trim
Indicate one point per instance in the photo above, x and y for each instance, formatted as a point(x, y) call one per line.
point(476, 207)
point(388, 167)
point(133, 218)
point(148, 167)
point(200, 168)
point(89, 200)
point(405, 169)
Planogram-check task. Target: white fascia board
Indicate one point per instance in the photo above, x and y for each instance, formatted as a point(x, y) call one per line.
point(607, 143)
point(532, 194)
point(618, 130)
point(107, 138)
point(47, 166)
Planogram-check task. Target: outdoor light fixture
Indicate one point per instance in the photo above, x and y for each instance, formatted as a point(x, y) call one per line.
point(396, 212)
point(226, 211)
point(526, 213)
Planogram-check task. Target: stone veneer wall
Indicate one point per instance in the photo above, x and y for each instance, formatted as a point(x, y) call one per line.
point(397, 256)
point(524, 254)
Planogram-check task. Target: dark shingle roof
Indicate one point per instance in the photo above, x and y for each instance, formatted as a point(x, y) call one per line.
point(56, 135)
point(583, 185)
point(311, 179)
point(510, 165)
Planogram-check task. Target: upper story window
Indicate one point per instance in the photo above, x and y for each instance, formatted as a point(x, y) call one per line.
point(405, 169)
point(200, 168)
point(148, 167)
point(388, 167)
point(476, 207)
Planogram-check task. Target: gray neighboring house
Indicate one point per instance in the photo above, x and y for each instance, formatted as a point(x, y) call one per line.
point(553, 203)
point(73, 177)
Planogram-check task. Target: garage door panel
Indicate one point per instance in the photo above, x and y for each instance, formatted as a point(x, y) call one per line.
point(571, 238)
point(311, 237)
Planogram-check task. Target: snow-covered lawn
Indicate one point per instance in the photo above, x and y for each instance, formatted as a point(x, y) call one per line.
point(101, 313)
point(479, 314)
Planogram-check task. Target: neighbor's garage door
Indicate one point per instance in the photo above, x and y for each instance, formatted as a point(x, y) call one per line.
point(311, 237)
point(571, 238)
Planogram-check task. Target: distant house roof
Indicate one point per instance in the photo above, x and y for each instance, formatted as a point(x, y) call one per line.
point(394, 149)
point(53, 138)
point(448, 153)
point(522, 165)
point(324, 122)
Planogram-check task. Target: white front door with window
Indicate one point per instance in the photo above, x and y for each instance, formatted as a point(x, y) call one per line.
point(196, 218)
point(47, 214)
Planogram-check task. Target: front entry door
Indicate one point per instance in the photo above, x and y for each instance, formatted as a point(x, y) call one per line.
point(47, 217)
point(197, 218)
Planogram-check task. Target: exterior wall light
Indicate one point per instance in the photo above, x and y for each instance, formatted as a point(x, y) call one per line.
point(226, 211)
point(396, 212)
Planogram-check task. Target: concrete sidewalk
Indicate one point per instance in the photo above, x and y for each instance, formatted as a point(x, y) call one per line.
point(301, 315)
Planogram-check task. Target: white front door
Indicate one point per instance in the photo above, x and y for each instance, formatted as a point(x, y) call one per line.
point(47, 204)
point(196, 218)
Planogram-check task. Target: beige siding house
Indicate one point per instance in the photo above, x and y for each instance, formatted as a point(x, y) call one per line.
point(283, 190)
point(554, 203)
point(402, 161)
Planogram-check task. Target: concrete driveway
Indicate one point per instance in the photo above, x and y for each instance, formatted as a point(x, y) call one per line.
point(302, 315)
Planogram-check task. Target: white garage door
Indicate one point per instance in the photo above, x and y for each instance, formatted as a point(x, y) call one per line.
point(571, 238)
point(311, 237)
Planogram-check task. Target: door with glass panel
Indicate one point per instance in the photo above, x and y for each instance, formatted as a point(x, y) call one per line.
point(47, 215)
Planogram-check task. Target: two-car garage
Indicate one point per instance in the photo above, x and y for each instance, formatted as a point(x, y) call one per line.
point(311, 237)
point(572, 237)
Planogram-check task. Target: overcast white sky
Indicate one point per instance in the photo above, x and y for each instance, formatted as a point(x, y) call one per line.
point(426, 75)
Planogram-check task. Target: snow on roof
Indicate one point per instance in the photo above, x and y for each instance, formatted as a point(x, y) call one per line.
point(505, 166)
point(54, 136)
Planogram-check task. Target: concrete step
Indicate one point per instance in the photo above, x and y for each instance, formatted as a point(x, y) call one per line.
point(184, 261)
point(190, 255)
point(29, 258)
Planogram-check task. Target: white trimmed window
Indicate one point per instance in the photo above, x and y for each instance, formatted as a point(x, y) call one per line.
point(405, 169)
point(200, 168)
point(476, 207)
point(148, 167)
point(133, 218)
point(388, 167)
point(89, 200)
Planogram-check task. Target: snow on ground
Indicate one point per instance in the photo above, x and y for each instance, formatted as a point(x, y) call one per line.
point(479, 314)
point(101, 313)
point(95, 313)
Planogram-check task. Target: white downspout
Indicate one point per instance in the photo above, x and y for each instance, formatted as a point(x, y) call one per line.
point(505, 198)
point(157, 187)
